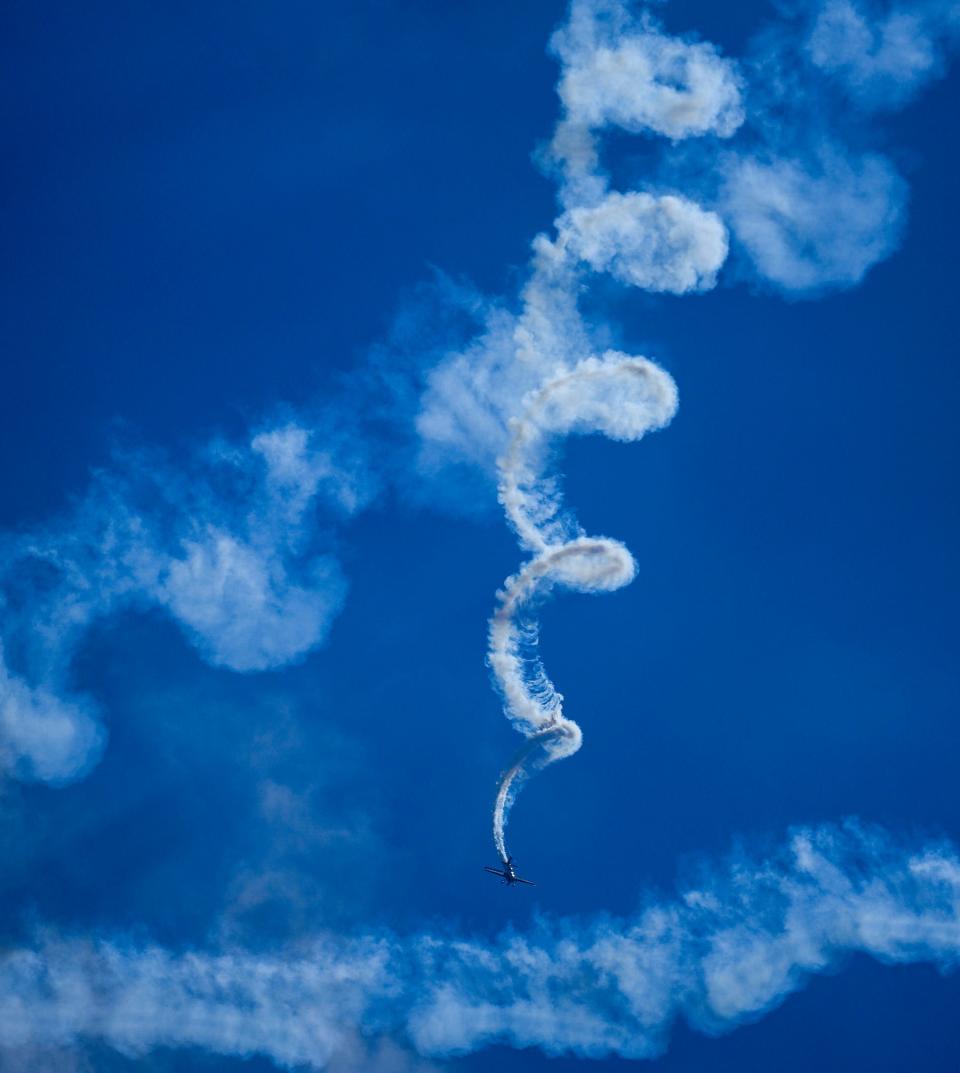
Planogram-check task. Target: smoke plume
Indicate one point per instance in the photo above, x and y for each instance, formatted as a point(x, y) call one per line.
point(725, 950)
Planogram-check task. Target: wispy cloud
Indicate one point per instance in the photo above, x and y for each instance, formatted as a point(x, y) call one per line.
point(232, 546)
point(237, 543)
point(883, 57)
point(725, 950)
point(817, 221)
point(51, 736)
point(812, 207)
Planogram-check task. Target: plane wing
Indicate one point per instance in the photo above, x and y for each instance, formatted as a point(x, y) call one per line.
point(503, 875)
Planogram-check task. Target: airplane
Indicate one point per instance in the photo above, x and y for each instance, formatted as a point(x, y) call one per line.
point(508, 875)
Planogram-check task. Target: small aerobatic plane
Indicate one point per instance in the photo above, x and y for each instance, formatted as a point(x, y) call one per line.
point(508, 875)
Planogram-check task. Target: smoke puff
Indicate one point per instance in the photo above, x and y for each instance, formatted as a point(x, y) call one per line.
point(807, 225)
point(228, 549)
point(43, 735)
point(666, 244)
point(618, 395)
point(241, 609)
point(297, 470)
point(469, 396)
point(644, 81)
point(882, 63)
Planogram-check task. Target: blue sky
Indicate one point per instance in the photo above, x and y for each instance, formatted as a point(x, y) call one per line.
point(271, 317)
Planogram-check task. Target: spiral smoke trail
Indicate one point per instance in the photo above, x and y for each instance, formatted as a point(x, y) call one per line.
point(617, 71)
point(623, 397)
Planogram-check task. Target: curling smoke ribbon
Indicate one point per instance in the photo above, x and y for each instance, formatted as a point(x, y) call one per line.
point(617, 395)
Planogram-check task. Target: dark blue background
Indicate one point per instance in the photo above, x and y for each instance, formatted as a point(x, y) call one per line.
point(207, 210)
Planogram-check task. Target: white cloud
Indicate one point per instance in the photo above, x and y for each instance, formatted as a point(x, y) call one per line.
point(237, 544)
point(43, 735)
point(240, 607)
point(811, 207)
point(812, 223)
point(471, 395)
point(664, 243)
point(723, 952)
point(629, 75)
point(297, 470)
point(621, 71)
point(230, 546)
point(882, 61)
point(298, 1011)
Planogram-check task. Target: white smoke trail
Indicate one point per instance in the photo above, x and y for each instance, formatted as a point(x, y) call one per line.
point(623, 397)
point(226, 541)
point(512, 778)
point(617, 71)
point(519, 392)
point(728, 949)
